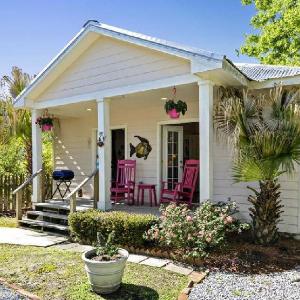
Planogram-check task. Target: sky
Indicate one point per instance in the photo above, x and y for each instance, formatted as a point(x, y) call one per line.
point(32, 32)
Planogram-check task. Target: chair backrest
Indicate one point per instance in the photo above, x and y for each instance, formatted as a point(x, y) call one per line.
point(126, 171)
point(190, 174)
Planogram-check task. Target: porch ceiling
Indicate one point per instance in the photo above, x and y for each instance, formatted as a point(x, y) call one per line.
point(86, 108)
point(75, 110)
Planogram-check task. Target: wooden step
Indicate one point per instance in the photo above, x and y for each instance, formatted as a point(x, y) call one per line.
point(44, 225)
point(53, 206)
point(63, 205)
point(49, 215)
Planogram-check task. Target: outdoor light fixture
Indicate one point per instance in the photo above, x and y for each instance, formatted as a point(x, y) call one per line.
point(164, 98)
point(89, 109)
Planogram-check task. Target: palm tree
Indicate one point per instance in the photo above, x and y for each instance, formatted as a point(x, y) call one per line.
point(264, 130)
point(16, 122)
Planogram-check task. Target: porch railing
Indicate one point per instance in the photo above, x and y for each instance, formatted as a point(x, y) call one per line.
point(19, 193)
point(72, 195)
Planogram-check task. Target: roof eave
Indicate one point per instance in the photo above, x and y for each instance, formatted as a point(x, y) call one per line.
point(232, 69)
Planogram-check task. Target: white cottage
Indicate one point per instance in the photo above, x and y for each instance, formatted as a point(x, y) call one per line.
point(112, 81)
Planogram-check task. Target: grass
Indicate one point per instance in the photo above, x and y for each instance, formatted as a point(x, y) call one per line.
point(7, 222)
point(57, 274)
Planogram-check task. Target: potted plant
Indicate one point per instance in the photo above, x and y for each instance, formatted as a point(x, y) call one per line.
point(105, 265)
point(173, 108)
point(45, 121)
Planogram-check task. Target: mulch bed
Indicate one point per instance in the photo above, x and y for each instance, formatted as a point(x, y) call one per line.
point(244, 257)
point(239, 256)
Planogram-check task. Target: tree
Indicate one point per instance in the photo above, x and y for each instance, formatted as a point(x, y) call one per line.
point(16, 122)
point(277, 36)
point(12, 157)
point(265, 133)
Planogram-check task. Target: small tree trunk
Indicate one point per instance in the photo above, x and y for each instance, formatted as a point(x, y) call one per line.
point(266, 211)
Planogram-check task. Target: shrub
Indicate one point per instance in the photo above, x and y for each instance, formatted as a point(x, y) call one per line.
point(195, 232)
point(129, 228)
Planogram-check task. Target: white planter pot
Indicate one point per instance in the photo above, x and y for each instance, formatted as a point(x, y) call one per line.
point(105, 277)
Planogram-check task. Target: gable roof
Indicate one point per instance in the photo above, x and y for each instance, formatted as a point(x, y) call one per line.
point(153, 40)
point(254, 72)
point(259, 72)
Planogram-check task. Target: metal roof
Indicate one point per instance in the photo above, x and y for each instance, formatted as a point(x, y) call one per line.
point(260, 72)
point(168, 44)
point(257, 72)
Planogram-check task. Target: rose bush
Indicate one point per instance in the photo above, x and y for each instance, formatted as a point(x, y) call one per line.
point(195, 232)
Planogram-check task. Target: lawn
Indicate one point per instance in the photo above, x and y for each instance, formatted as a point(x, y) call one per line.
point(7, 221)
point(57, 274)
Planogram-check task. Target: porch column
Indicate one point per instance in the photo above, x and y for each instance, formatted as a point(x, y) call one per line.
point(104, 154)
point(206, 139)
point(36, 156)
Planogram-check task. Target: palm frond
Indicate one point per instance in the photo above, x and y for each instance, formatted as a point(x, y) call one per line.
point(264, 130)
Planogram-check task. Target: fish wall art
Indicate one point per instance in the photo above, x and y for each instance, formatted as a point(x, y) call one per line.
point(142, 149)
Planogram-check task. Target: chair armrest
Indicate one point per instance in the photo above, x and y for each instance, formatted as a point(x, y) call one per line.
point(163, 183)
point(178, 186)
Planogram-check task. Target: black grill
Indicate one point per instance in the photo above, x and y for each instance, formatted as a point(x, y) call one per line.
point(64, 178)
point(63, 175)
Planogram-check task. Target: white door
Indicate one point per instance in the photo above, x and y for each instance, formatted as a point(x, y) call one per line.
point(172, 154)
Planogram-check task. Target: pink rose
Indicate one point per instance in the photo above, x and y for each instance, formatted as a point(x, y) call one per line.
point(189, 218)
point(228, 220)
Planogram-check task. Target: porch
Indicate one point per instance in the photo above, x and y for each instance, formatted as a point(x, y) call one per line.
point(85, 204)
point(118, 120)
point(52, 215)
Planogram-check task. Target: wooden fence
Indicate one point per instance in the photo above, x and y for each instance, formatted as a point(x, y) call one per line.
point(10, 182)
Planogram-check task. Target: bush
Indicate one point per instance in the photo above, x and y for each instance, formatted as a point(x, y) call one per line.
point(129, 228)
point(195, 232)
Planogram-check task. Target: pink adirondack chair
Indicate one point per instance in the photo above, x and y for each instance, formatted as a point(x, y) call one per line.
point(123, 187)
point(183, 191)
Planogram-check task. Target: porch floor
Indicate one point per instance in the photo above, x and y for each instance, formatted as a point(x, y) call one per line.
point(85, 204)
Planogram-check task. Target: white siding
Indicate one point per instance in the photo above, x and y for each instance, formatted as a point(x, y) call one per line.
point(109, 63)
point(72, 147)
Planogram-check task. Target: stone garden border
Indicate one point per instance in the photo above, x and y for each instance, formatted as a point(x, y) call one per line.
point(157, 252)
point(19, 290)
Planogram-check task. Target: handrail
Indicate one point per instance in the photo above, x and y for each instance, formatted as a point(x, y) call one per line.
point(72, 195)
point(27, 181)
point(19, 193)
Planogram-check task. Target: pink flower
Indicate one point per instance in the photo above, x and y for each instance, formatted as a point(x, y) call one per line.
point(189, 218)
point(228, 220)
point(208, 239)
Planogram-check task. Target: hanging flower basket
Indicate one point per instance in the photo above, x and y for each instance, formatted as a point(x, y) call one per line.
point(47, 127)
point(45, 121)
point(173, 114)
point(173, 108)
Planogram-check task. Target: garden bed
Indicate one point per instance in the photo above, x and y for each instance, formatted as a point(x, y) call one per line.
point(240, 256)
